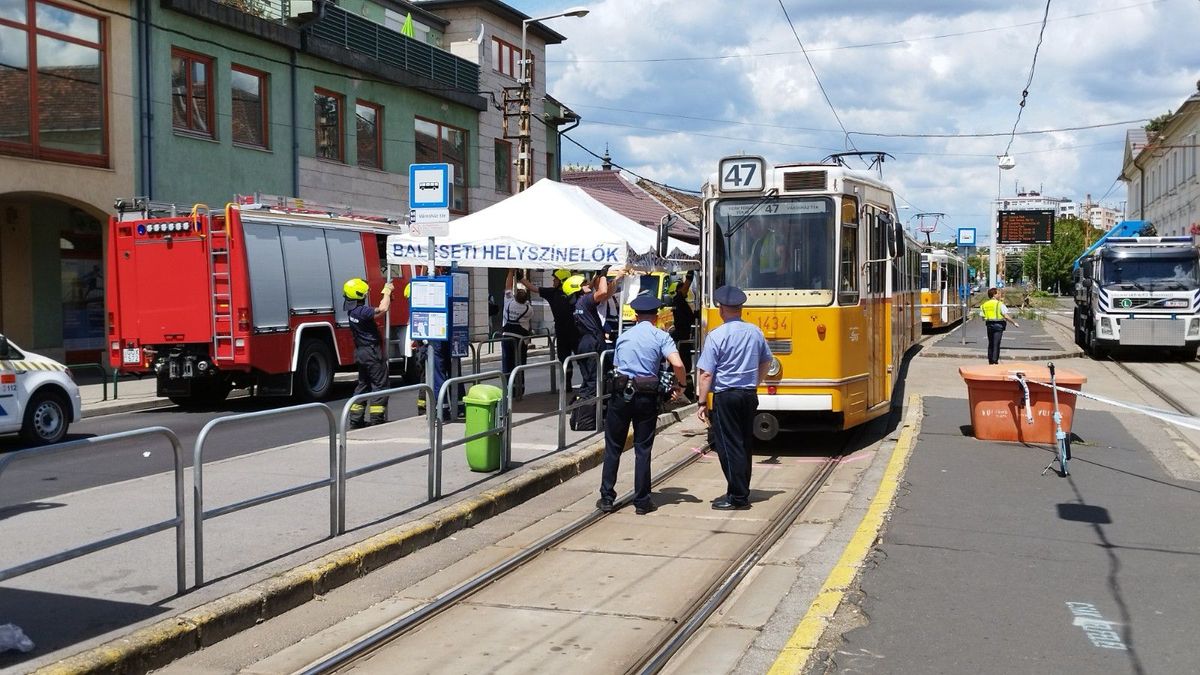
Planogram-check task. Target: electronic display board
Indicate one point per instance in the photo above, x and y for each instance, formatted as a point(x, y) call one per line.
point(1026, 227)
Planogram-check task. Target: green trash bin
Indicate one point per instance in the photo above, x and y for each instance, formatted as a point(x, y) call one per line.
point(483, 454)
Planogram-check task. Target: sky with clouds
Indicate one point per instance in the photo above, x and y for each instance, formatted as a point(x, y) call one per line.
point(673, 85)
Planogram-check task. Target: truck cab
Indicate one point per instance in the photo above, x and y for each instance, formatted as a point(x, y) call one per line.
point(38, 398)
point(1139, 292)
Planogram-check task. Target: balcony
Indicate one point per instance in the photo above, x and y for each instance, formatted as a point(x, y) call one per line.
point(366, 37)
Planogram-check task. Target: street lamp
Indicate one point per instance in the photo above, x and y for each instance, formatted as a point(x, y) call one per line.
point(524, 137)
point(1003, 163)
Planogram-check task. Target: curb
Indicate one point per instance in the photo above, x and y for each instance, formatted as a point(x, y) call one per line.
point(974, 355)
point(160, 643)
point(132, 406)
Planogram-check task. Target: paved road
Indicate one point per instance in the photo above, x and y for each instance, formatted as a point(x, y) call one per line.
point(58, 474)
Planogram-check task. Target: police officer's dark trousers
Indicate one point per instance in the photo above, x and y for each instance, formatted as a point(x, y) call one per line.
point(589, 367)
point(372, 376)
point(733, 433)
point(995, 332)
point(642, 412)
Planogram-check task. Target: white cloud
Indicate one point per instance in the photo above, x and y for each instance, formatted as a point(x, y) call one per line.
point(1128, 59)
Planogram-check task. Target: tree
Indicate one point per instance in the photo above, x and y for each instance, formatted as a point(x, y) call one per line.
point(1057, 258)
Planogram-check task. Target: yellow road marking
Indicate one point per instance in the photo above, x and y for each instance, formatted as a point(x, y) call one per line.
point(800, 646)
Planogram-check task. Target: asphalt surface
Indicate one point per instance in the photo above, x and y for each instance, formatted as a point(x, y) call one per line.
point(989, 567)
point(56, 474)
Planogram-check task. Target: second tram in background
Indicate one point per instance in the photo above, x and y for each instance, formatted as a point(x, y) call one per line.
point(830, 277)
point(941, 279)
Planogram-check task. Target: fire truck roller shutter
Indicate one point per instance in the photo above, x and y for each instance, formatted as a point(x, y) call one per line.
point(345, 262)
point(268, 294)
point(306, 259)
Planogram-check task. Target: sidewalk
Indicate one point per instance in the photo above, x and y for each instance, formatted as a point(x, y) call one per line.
point(1035, 340)
point(132, 393)
point(989, 567)
point(257, 561)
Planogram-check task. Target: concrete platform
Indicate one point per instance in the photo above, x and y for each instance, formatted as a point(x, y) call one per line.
point(989, 567)
point(1034, 340)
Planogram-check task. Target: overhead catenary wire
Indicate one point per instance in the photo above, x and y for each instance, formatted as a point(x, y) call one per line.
point(1029, 81)
point(863, 45)
point(846, 135)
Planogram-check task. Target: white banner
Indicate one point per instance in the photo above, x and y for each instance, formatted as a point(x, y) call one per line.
point(403, 250)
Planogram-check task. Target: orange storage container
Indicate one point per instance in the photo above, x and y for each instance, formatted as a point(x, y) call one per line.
point(998, 402)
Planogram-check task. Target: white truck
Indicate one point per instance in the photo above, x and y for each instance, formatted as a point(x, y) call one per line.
point(38, 398)
point(1138, 292)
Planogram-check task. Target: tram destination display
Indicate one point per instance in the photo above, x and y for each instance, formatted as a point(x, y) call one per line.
point(1026, 227)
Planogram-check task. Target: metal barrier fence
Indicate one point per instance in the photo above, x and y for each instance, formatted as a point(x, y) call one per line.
point(70, 554)
point(501, 427)
point(200, 515)
point(103, 376)
point(343, 441)
point(557, 369)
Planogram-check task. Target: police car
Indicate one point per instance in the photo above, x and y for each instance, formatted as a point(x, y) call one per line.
point(38, 398)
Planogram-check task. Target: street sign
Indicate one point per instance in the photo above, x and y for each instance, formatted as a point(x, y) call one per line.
point(966, 236)
point(429, 222)
point(429, 186)
point(429, 308)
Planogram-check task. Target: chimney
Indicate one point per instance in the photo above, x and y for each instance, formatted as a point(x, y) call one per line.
point(607, 165)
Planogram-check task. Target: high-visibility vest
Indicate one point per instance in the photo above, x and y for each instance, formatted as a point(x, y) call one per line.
point(991, 310)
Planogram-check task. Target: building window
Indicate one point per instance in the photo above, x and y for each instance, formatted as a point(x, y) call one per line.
point(438, 143)
point(369, 121)
point(506, 59)
point(52, 75)
point(327, 112)
point(191, 92)
point(504, 167)
point(251, 125)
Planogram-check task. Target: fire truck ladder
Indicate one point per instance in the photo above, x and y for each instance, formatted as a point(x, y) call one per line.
point(220, 287)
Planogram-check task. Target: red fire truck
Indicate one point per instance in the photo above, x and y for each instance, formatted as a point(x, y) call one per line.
point(250, 296)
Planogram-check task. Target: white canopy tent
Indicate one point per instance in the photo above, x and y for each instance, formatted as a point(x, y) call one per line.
point(548, 226)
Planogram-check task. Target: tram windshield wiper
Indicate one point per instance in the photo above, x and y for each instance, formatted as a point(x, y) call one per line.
point(773, 193)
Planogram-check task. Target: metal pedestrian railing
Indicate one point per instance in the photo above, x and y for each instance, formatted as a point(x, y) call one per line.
point(501, 427)
point(556, 370)
point(343, 441)
point(103, 376)
point(70, 554)
point(200, 514)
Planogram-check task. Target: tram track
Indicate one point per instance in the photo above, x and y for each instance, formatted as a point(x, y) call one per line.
point(662, 646)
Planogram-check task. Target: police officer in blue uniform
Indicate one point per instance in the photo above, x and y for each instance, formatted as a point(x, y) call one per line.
point(734, 361)
point(638, 357)
point(368, 351)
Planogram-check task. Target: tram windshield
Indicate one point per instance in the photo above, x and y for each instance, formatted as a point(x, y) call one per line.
point(1146, 274)
point(780, 244)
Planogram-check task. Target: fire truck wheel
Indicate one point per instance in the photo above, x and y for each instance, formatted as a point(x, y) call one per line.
point(314, 371)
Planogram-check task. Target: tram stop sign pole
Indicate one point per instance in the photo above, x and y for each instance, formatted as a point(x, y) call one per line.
point(966, 242)
point(429, 187)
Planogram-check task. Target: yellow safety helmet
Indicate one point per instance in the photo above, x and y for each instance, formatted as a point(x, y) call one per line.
point(673, 287)
point(573, 284)
point(355, 289)
point(408, 290)
point(562, 275)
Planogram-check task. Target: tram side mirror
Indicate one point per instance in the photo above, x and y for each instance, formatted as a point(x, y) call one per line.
point(889, 234)
point(664, 226)
point(901, 247)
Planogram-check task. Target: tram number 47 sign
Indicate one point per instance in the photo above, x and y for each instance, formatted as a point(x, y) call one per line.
point(741, 174)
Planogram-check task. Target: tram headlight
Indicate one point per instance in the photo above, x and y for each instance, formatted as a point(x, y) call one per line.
point(775, 368)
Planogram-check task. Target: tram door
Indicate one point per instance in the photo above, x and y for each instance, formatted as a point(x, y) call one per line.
point(877, 307)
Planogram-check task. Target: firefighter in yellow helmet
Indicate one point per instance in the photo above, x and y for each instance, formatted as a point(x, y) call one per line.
point(562, 307)
point(368, 350)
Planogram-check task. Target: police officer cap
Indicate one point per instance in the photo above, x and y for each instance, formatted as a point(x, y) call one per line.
point(730, 295)
point(645, 304)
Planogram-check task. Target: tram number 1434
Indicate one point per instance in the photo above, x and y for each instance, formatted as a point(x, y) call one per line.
point(772, 323)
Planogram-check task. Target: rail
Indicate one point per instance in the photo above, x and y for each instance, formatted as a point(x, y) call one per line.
point(500, 429)
point(200, 514)
point(343, 441)
point(70, 554)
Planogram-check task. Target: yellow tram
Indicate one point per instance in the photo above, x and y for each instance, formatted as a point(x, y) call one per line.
point(830, 277)
point(941, 278)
